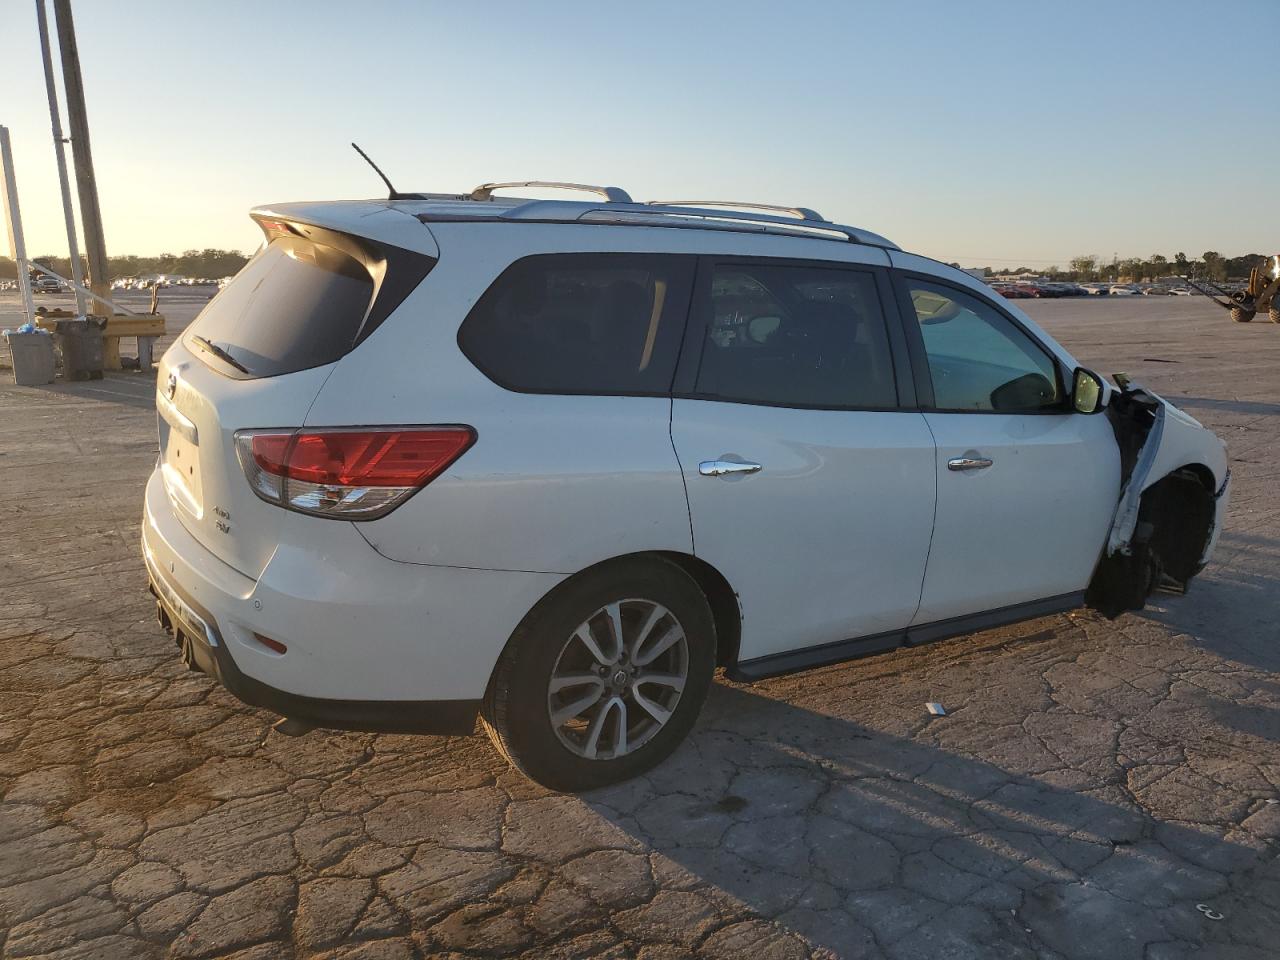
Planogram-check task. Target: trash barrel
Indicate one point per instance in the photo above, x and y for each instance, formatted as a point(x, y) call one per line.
point(80, 342)
point(32, 355)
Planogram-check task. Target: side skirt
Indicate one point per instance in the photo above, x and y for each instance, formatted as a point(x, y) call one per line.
point(793, 661)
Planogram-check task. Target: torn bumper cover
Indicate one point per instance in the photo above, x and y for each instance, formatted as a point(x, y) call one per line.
point(1172, 501)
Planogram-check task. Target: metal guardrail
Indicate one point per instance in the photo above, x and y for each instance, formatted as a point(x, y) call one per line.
point(115, 307)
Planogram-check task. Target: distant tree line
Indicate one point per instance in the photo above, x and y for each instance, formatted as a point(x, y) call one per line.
point(213, 264)
point(202, 264)
point(1211, 266)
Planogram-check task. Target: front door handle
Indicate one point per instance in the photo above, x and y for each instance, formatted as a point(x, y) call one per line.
point(968, 463)
point(721, 468)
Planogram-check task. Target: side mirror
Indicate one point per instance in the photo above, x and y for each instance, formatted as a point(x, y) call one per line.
point(1088, 392)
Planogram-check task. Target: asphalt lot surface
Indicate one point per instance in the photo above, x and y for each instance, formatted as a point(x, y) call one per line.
point(1097, 789)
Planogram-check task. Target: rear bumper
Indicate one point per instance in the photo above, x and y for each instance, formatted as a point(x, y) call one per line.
point(372, 644)
point(203, 649)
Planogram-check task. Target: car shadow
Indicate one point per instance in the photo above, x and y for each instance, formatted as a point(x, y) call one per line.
point(1233, 608)
point(130, 389)
point(1253, 407)
point(870, 844)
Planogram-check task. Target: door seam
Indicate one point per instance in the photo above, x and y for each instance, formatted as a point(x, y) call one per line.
point(684, 481)
point(933, 527)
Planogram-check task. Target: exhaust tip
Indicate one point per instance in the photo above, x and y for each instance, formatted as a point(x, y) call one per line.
point(292, 727)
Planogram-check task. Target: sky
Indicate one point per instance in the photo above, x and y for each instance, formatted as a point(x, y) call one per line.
point(981, 132)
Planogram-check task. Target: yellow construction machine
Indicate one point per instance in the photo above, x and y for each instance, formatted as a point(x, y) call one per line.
point(1259, 295)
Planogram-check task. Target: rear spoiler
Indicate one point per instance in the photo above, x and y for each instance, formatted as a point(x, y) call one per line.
point(394, 270)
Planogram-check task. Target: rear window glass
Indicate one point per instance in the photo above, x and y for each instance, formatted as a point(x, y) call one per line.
point(295, 305)
point(795, 336)
point(582, 323)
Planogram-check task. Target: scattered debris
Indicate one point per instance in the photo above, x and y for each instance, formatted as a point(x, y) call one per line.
point(1209, 912)
point(937, 709)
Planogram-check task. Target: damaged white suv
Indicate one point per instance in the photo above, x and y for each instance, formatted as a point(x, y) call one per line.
point(552, 462)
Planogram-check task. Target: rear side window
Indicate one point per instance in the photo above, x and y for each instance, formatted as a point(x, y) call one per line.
point(795, 336)
point(296, 304)
point(582, 323)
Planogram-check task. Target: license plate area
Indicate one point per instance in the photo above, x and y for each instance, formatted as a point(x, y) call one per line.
point(180, 466)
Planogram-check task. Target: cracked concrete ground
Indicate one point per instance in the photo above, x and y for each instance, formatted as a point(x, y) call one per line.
point(1097, 789)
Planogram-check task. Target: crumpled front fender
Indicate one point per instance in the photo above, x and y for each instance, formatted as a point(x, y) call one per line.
point(1169, 439)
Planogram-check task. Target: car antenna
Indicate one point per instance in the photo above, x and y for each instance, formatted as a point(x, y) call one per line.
point(394, 193)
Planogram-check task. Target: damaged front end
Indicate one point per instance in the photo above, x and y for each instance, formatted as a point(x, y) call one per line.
point(1170, 502)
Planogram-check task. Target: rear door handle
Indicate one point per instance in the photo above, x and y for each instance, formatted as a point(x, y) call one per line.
point(721, 468)
point(969, 463)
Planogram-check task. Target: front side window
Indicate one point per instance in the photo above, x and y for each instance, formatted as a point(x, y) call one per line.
point(796, 336)
point(582, 323)
point(979, 359)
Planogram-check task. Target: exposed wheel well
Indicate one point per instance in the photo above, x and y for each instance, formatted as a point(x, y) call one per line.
point(1179, 509)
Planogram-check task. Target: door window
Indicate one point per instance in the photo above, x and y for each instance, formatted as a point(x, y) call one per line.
point(582, 323)
point(795, 336)
point(979, 359)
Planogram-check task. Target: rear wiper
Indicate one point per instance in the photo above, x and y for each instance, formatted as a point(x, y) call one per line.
point(218, 352)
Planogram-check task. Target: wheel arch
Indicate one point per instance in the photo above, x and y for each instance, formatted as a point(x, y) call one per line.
point(1198, 471)
point(726, 613)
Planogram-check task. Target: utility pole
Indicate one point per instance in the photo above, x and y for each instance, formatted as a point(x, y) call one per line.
point(68, 213)
point(95, 247)
point(13, 218)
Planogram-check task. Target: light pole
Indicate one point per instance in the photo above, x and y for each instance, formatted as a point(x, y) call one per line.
point(68, 213)
point(95, 247)
point(13, 217)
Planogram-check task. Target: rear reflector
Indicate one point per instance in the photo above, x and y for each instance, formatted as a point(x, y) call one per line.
point(348, 473)
point(275, 646)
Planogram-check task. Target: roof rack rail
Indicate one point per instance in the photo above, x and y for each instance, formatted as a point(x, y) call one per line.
point(612, 194)
point(715, 218)
point(619, 208)
point(804, 213)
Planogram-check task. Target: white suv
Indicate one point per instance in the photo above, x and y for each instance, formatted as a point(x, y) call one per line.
point(552, 462)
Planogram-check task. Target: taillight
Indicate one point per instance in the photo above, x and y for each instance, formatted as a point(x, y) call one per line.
point(347, 473)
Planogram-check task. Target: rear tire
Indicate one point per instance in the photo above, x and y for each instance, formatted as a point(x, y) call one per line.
point(1241, 314)
point(633, 723)
point(1274, 313)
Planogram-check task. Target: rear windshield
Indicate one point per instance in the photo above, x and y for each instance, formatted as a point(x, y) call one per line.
point(297, 304)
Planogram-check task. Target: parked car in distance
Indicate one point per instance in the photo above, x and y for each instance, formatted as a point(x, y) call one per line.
point(47, 285)
point(1122, 290)
point(1010, 291)
point(553, 462)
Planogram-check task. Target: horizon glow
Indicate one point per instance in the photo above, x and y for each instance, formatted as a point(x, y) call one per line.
point(993, 134)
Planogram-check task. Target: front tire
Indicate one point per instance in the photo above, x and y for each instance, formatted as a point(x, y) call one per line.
point(1274, 312)
point(1241, 315)
point(605, 677)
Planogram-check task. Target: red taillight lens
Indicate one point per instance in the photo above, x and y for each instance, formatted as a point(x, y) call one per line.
point(370, 458)
point(351, 473)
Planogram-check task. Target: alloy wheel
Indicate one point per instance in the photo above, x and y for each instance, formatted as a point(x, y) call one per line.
point(618, 679)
